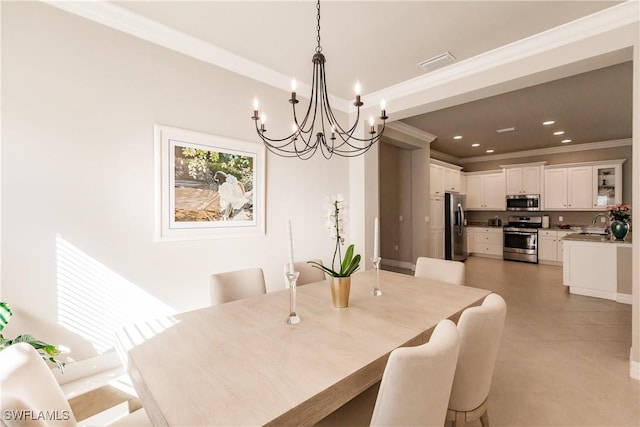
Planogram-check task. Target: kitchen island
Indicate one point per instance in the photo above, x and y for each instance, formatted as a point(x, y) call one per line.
point(597, 267)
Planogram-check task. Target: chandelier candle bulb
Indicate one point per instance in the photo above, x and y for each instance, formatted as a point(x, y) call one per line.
point(383, 110)
point(294, 85)
point(263, 119)
point(255, 109)
point(371, 124)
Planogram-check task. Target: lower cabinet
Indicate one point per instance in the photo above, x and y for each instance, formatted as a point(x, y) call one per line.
point(550, 245)
point(436, 244)
point(485, 241)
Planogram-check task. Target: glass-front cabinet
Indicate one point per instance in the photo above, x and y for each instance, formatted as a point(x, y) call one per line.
point(607, 185)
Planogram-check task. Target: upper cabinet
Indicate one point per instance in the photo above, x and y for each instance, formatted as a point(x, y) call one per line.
point(607, 185)
point(486, 191)
point(591, 186)
point(444, 178)
point(523, 179)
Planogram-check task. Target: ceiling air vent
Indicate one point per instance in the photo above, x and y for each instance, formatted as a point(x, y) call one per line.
point(437, 61)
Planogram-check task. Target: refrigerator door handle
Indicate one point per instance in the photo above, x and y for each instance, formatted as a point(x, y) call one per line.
point(461, 219)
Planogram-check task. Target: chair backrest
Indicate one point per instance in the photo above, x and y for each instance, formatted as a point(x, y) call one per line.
point(480, 331)
point(441, 270)
point(417, 381)
point(235, 285)
point(30, 389)
point(308, 273)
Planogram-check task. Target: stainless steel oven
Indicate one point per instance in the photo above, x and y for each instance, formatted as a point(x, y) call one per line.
point(523, 202)
point(521, 239)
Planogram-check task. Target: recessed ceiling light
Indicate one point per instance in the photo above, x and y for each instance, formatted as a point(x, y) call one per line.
point(548, 122)
point(559, 132)
point(475, 145)
point(564, 141)
point(489, 151)
point(511, 129)
point(457, 137)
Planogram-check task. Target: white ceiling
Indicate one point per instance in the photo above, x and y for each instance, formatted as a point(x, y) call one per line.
point(379, 43)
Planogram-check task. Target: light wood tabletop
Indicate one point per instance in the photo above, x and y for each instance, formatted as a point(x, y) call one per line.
point(240, 363)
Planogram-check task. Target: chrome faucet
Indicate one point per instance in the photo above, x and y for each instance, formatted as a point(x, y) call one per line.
point(595, 218)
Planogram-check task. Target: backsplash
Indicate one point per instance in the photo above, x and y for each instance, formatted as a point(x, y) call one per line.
point(573, 218)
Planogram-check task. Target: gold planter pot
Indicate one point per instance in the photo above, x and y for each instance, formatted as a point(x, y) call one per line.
point(340, 288)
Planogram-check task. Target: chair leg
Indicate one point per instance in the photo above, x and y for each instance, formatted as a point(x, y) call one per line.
point(484, 418)
point(460, 419)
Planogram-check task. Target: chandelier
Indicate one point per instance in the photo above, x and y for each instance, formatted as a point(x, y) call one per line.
point(310, 133)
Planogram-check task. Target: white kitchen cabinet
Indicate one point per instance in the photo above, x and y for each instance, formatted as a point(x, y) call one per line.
point(607, 185)
point(486, 191)
point(550, 246)
point(451, 180)
point(470, 240)
point(568, 188)
point(547, 245)
point(523, 180)
point(436, 244)
point(560, 245)
point(594, 268)
point(444, 177)
point(591, 186)
point(579, 187)
point(436, 179)
point(436, 227)
point(487, 241)
point(555, 188)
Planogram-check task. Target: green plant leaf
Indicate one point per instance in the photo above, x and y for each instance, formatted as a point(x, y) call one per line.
point(348, 256)
point(327, 270)
point(5, 315)
point(355, 264)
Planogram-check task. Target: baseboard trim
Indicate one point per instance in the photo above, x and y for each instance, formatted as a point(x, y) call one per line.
point(634, 367)
point(399, 264)
point(624, 299)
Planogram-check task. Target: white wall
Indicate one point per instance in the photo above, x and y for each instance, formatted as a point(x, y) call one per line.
point(79, 104)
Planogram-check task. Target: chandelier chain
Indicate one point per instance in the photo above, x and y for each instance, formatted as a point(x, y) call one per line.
point(318, 48)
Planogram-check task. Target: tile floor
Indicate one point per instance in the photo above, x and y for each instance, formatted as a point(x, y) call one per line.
point(564, 359)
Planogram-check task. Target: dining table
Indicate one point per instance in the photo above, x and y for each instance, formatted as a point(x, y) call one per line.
point(241, 364)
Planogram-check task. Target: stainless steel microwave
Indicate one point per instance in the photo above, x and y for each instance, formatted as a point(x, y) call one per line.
point(523, 202)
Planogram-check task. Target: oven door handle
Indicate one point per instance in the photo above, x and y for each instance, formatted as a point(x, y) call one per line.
point(520, 233)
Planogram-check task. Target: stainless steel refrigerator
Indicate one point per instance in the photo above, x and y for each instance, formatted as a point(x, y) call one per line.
point(455, 233)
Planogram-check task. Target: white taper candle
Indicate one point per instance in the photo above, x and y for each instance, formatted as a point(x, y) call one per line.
point(290, 242)
point(376, 239)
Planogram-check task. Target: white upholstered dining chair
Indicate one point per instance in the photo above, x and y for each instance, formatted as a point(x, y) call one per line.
point(414, 390)
point(235, 285)
point(441, 270)
point(308, 273)
point(29, 387)
point(416, 383)
point(480, 331)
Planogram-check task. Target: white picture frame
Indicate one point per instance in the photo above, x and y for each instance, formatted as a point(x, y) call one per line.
point(207, 186)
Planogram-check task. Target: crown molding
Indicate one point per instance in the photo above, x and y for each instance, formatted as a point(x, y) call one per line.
point(583, 28)
point(444, 157)
point(121, 19)
point(116, 17)
point(552, 150)
point(412, 131)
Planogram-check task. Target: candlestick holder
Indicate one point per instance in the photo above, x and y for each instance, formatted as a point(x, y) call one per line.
point(293, 318)
point(376, 292)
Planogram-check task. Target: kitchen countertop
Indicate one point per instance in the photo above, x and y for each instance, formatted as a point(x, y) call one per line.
point(596, 239)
